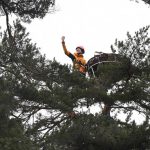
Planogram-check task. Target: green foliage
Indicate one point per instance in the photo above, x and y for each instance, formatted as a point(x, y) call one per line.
point(37, 95)
point(26, 10)
point(40, 93)
point(89, 132)
point(12, 136)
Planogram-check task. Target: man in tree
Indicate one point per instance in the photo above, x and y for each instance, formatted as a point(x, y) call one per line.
point(77, 58)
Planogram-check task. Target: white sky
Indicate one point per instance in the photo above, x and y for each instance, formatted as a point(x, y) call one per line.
point(94, 24)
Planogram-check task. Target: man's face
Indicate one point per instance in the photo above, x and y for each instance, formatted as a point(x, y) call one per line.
point(78, 50)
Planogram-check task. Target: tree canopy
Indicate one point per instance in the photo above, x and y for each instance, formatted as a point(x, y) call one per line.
point(36, 94)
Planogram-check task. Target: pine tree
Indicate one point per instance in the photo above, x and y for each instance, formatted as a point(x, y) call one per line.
point(37, 94)
point(128, 82)
point(26, 10)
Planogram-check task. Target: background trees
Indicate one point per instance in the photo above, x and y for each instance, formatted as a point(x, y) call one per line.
point(36, 94)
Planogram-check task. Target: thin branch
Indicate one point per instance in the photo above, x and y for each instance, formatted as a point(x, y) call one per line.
point(7, 20)
point(54, 125)
point(127, 108)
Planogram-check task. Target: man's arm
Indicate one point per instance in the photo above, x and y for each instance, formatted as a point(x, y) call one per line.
point(65, 49)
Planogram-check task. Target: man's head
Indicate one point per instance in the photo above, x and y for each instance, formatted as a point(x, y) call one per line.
point(80, 50)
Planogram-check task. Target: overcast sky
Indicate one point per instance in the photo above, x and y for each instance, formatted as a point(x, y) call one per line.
point(94, 24)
